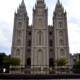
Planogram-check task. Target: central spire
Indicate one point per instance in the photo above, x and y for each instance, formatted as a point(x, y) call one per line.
point(58, 2)
point(40, 0)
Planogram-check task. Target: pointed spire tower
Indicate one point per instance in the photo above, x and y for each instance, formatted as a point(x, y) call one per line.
point(22, 1)
point(40, 4)
point(19, 33)
point(40, 53)
point(58, 2)
point(22, 7)
point(61, 44)
point(59, 7)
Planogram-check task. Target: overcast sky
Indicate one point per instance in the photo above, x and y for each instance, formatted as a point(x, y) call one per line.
point(8, 7)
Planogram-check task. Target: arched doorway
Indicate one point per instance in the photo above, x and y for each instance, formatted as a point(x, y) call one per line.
point(40, 58)
point(51, 62)
point(29, 62)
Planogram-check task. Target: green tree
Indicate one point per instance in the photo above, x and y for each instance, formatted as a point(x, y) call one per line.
point(77, 64)
point(61, 62)
point(8, 61)
point(76, 67)
point(2, 55)
point(15, 61)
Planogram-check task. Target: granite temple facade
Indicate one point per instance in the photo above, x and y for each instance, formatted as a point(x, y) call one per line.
point(40, 44)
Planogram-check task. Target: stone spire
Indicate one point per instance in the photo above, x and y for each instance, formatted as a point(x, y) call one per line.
point(40, 4)
point(22, 7)
point(22, 2)
point(59, 7)
point(58, 2)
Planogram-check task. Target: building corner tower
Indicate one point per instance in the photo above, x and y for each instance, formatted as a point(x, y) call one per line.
point(19, 33)
point(39, 53)
point(61, 46)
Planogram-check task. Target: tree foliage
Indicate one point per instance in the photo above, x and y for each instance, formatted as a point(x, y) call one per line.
point(76, 67)
point(6, 61)
point(61, 62)
point(2, 55)
point(77, 64)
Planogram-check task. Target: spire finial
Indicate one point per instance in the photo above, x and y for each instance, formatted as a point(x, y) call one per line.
point(22, 1)
point(58, 2)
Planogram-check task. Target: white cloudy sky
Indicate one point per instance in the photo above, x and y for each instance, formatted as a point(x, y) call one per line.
point(8, 7)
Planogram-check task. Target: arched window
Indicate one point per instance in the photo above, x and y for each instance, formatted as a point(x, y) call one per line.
point(29, 33)
point(19, 25)
point(18, 43)
point(61, 34)
point(40, 57)
point(50, 43)
point(19, 33)
point(61, 43)
point(29, 43)
point(18, 52)
point(40, 23)
point(40, 38)
point(50, 53)
point(50, 33)
point(62, 52)
point(29, 52)
point(60, 24)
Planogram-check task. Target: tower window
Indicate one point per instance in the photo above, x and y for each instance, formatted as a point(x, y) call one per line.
point(61, 34)
point(50, 33)
point(19, 25)
point(29, 51)
point(29, 33)
point(40, 23)
point(18, 52)
point(60, 24)
point(61, 43)
point(50, 53)
point(39, 38)
point(19, 33)
point(62, 52)
point(18, 43)
point(50, 43)
point(29, 43)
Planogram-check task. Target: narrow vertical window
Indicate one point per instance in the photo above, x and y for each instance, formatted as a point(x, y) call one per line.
point(61, 34)
point(19, 34)
point(50, 43)
point(18, 52)
point(61, 43)
point(60, 24)
point(39, 38)
point(50, 53)
point(40, 23)
point(29, 43)
point(19, 24)
point(40, 58)
point(18, 43)
point(62, 52)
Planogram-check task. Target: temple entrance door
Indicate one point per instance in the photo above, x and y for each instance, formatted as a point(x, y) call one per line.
point(51, 62)
point(29, 62)
point(40, 58)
